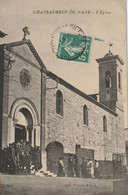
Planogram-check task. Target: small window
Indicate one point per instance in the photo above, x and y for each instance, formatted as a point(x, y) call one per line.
point(119, 80)
point(85, 115)
point(108, 79)
point(104, 124)
point(59, 103)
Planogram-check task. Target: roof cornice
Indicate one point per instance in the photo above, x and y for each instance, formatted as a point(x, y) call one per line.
point(111, 58)
point(31, 47)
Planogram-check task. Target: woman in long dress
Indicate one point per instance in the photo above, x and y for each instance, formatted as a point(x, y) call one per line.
point(60, 172)
point(91, 168)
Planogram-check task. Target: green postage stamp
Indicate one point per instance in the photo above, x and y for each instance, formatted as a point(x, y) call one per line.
point(74, 47)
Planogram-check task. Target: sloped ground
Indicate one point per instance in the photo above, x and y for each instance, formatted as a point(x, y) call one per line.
point(35, 185)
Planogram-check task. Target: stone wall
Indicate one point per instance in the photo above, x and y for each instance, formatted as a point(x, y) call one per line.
point(69, 128)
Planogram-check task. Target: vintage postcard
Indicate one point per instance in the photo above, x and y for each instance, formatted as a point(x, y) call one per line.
point(63, 97)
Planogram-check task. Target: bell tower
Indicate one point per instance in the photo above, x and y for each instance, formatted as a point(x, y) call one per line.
point(110, 81)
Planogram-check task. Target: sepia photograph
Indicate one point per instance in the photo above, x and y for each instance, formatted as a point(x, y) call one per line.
point(63, 97)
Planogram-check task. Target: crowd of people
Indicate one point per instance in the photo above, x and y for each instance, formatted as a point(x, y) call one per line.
point(86, 169)
point(20, 156)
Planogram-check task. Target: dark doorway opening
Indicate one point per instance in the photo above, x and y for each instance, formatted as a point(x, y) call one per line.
point(24, 126)
point(54, 152)
point(84, 152)
point(20, 133)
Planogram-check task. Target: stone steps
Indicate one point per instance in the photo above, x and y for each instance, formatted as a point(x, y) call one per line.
point(43, 173)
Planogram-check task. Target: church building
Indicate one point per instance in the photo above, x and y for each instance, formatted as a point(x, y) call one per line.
point(38, 106)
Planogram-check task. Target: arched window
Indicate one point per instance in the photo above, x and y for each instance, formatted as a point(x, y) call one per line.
point(59, 103)
point(104, 124)
point(85, 115)
point(119, 80)
point(108, 79)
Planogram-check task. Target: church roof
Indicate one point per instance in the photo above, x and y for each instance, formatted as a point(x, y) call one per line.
point(77, 91)
point(9, 47)
point(108, 54)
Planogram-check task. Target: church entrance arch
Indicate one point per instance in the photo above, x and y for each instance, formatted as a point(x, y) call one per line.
point(54, 152)
point(24, 122)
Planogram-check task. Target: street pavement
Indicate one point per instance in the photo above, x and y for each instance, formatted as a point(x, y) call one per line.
point(36, 185)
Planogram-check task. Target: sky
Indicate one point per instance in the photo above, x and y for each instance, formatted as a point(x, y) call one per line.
point(110, 26)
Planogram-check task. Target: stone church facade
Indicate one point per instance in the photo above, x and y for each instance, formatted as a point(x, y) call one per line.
point(38, 106)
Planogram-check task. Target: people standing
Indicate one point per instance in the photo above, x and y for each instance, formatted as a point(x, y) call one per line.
point(91, 168)
point(84, 168)
point(76, 166)
point(60, 172)
point(96, 169)
point(70, 168)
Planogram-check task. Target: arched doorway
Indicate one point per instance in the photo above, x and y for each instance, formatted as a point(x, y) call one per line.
point(23, 123)
point(24, 126)
point(54, 152)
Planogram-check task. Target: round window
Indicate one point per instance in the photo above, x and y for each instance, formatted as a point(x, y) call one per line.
point(25, 78)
